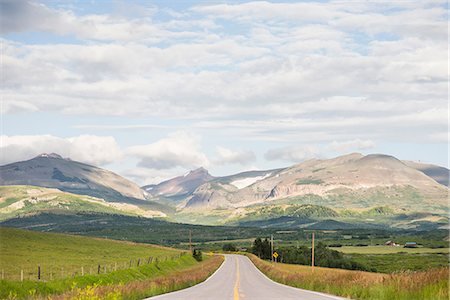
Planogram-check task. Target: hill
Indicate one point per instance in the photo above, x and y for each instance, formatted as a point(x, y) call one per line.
point(55, 251)
point(57, 266)
point(24, 200)
point(53, 171)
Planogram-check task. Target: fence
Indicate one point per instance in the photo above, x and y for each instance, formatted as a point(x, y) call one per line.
point(48, 272)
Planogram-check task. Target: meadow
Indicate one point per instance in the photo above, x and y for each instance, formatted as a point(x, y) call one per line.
point(60, 255)
point(430, 284)
point(388, 250)
point(168, 269)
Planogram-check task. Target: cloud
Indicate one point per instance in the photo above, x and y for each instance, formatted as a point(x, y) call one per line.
point(179, 149)
point(273, 72)
point(90, 149)
point(228, 156)
point(292, 154)
point(350, 146)
point(145, 176)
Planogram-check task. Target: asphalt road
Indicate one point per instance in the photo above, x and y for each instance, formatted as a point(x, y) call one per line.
point(238, 278)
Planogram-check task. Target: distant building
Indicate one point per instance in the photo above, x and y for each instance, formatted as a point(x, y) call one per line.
point(391, 243)
point(410, 245)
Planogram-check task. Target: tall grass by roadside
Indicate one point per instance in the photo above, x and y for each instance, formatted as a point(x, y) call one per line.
point(432, 284)
point(134, 283)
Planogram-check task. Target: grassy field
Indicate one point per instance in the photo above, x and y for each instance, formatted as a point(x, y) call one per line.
point(397, 262)
point(61, 258)
point(431, 284)
point(388, 250)
point(60, 255)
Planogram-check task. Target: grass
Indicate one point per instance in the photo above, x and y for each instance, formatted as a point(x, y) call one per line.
point(309, 181)
point(61, 255)
point(431, 284)
point(168, 270)
point(134, 283)
point(390, 263)
point(388, 250)
point(19, 200)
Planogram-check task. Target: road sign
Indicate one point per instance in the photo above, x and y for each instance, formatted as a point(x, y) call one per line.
point(275, 254)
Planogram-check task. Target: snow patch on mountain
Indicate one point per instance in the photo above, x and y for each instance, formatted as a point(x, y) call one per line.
point(245, 182)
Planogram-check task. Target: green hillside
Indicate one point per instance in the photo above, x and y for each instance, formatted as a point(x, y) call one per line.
point(61, 255)
point(74, 267)
point(22, 200)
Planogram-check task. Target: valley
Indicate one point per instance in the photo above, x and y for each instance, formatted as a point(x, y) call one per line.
point(354, 204)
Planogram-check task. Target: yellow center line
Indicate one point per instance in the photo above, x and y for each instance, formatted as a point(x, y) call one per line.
point(236, 285)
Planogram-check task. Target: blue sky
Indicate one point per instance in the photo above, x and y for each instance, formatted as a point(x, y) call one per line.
point(151, 89)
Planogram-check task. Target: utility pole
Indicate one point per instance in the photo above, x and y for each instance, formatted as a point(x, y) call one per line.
point(312, 253)
point(190, 240)
point(271, 247)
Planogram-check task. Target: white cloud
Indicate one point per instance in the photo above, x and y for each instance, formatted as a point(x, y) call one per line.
point(292, 154)
point(145, 176)
point(287, 72)
point(90, 149)
point(179, 149)
point(351, 146)
point(228, 156)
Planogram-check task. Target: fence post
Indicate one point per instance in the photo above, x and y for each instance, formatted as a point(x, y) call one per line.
point(82, 271)
point(21, 275)
point(139, 261)
point(115, 266)
point(98, 270)
point(39, 272)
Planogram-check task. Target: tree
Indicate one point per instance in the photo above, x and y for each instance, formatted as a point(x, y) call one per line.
point(262, 248)
point(257, 247)
point(229, 247)
point(266, 249)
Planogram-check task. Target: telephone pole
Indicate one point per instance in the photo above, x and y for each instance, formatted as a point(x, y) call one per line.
point(312, 253)
point(190, 240)
point(271, 247)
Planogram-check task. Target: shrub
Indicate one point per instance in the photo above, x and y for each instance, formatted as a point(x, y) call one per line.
point(197, 254)
point(229, 247)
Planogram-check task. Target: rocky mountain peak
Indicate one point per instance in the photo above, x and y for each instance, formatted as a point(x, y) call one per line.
point(50, 155)
point(199, 171)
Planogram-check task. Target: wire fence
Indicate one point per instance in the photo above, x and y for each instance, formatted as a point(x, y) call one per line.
point(49, 272)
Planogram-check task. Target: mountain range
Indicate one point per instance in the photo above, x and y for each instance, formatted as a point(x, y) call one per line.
point(372, 190)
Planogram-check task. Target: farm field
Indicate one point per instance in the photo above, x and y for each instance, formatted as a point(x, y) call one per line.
point(400, 262)
point(388, 250)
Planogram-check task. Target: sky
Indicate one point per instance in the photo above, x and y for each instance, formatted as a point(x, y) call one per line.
point(152, 89)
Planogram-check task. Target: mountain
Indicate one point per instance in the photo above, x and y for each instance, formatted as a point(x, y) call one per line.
point(438, 173)
point(179, 186)
point(53, 171)
point(352, 189)
point(355, 177)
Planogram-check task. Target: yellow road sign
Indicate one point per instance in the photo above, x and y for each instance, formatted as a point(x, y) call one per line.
point(275, 254)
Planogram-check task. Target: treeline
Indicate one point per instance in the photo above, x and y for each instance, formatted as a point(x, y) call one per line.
point(324, 257)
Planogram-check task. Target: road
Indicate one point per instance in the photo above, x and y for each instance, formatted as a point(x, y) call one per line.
point(237, 279)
